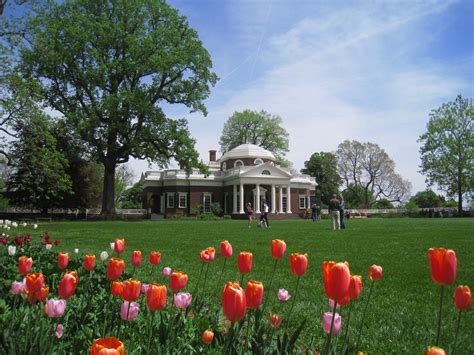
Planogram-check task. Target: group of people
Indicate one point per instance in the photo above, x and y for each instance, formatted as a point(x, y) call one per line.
point(336, 211)
point(263, 215)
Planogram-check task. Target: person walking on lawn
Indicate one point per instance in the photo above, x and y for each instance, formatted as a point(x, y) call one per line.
point(334, 212)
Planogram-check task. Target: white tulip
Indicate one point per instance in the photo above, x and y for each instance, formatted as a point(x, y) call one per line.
point(11, 250)
point(14, 224)
point(104, 255)
point(24, 224)
point(49, 246)
point(35, 226)
point(112, 246)
point(76, 251)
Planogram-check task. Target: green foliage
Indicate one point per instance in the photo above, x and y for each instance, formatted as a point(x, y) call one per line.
point(123, 179)
point(132, 197)
point(355, 197)
point(447, 148)
point(259, 128)
point(383, 204)
point(323, 167)
point(412, 207)
point(427, 199)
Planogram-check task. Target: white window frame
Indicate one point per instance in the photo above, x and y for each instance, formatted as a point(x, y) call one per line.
point(207, 194)
point(302, 198)
point(266, 172)
point(238, 161)
point(185, 195)
point(257, 161)
point(168, 200)
point(224, 166)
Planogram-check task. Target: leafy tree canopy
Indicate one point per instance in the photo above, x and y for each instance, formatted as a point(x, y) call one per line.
point(132, 197)
point(427, 199)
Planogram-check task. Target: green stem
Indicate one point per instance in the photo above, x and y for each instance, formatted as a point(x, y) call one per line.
point(458, 323)
point(150, 323)
point(205, 278)
point(328, 341)
point(241, 280)
point(438, 333)
point(346, 331)
point(106, 308)
point(363, 315)
point(294, 301)
point(229, 339)
point(197, 283)
point(222, 271)
point(269, 286)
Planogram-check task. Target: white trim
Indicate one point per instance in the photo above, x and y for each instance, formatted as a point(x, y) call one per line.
point(185, 195)
point(224, 166)
point(238, 161)
point(302, 197)
point(168, 195)
point(206, 194)
point(258, 161)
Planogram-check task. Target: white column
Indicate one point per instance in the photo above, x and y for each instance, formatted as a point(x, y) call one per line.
point(273, 198)
point(309, 202)
point(234, 199)
point(257, 200)
point(288, 199)
point(241, 208)
point(280, 209)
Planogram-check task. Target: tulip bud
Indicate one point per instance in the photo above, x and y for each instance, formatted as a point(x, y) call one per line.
point(462, 298)
point(278, 248)
point(156, 297)
point(104, 345)
point(115, 268)
point(11, 250)
point(275, 320)
point(166, 271)
point(226, 249)
point(131, 290)
point(116, 288)
point(104, 255)
point(34, 281)
point(434, 350)
point(283, 295)
point(24, 264)
point(155, 257)
point(375, 272)
point(254, 294)
point(63, 260)
point(119, 245)
point(178, 280)
point(182, 300)
point(443, 265)
point(336, 279)
point(244, 261)
point(136, 258)
point(298, 263)
point(207, 337)
point(67, 285)
point(129, 312)
point(336, 329)
point(234, 302)
point(55, 307)
point(207, 255)
point(59, 331)
point(89, 262)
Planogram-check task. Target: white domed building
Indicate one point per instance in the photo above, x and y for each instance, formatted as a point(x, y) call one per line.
point(247, 173)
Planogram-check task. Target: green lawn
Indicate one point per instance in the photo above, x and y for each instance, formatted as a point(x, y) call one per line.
point(403, 314)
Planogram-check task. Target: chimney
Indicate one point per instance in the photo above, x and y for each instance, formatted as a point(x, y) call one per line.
point(212, 155)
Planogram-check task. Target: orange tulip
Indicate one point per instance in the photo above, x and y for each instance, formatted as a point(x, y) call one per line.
point(178, 280)
point(434, 350)
point(254, 294)
point(131, 290)
point(442, 265)
point(89, 262)
point(115, 268)
point(462, 298)
point(375, 272)
point(155, 257)
point(119, 245)
point(67, 285)
point(355, 286)
point(156, 297)
point(41, 295)
point(298, 263)
point(136, 258)
point(24, 264)
point(336, 280)
point(34, 281)
point(275, 320)
point(116, 288)
point(207, 337)
point(106, 346)
point(226, 249)
point(63, 260)
point(207, 255)
point(244, 262)
point(278, 248)
point(234, 302)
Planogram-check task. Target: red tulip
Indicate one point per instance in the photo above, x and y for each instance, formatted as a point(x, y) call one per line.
point(156, 297)
point(24, 264)
point(34, 281)
point(226, 249)
point(254, 294)
point(442, 265)
point(89, 262)
point(234, 302)
point(67, 285)
point(462, 298)
point(336, 280)
point(207, 337)
point(355, 286)
point(107, 346)
point(119, 245)
point(178, 280)
point(298, 263)
point(63, 260)
point(278, 248)
point(116, 288)
point(131, 290)
point(434, 350)
point(115, 268)
point(136, 258)
point(375, 272)
point(207, 255)
point(155, 257)
point(244, 262)
point(41, 295)
point(275, 320)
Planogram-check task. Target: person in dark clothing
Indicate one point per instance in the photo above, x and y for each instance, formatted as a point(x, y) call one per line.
point(314, 213)
point(264, 215)
point(334, 212)
point(249, 212)
point(342, 211)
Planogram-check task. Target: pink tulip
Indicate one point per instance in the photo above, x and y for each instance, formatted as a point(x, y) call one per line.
point(182, 299)
point(331, 304)
point(144, 288)
point(132, 312)
point(18, 287)
point(59, 331)
point(283, 295)
point(336, 328)
point(166, 271)
point(55, 308)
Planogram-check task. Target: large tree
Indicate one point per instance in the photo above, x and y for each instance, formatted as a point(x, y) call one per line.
point(447, 149)
point(259, 128)
point(367, 167)
point(323, 167)
point(109, 67)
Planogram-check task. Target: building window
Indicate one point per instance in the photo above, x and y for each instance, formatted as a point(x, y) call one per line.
point(302, 202)
point(238, 163)
point(206, 203)
point(224, 166)
point(170, 200)
point(284, 203)
point(182, 200)
point(266, 172)
point(258, 161)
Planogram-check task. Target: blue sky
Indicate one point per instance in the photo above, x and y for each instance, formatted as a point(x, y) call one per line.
point(334, 70)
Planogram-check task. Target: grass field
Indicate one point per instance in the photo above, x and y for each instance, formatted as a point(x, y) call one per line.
point(402, 317)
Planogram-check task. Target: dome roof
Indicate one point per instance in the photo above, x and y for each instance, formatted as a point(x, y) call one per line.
point(248, 150)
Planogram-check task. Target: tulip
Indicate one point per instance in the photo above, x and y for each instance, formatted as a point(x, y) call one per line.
point(136, 258)
point(104, 255)
point(115, 268)
point(207, 337)
point(67, 285)
point(119, 245)
point(254, 294)
point(131, 290)
point(298, 263)
point(434, 350)
point(155, 257)
point(207, 255)
point(355, 286)
point(226, 249)
point(34, 281)
point(244, 262)
point(283, 295)
point(89, 262)
point(56, 242)
point(331, 304)
point(462, 298)
point(48, 246)
point(76, 251)
point(18, 287)
point(129, 311)
point(116, 288)
point(24, 264)
point(35, 226)
point(156, 297)
point(278, 248)
point(182, 299)
point(336, 279)
point(375, 272)
point(59, 331)
point(112, 246)
point(178, 280)
point(42, 294)
point(233, 302)
point(336, 328)
point(442, 265)
point(55, 308)
point(144, 288)
point(63, 260)
point(103, 346)
point(275, 320)
point(166, 271)
point(11, 250)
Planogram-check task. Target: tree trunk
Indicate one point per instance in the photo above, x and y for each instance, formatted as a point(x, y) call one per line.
point(108, 193)
point(459, 196)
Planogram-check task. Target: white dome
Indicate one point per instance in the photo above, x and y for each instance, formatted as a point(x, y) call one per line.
point(248, 150)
